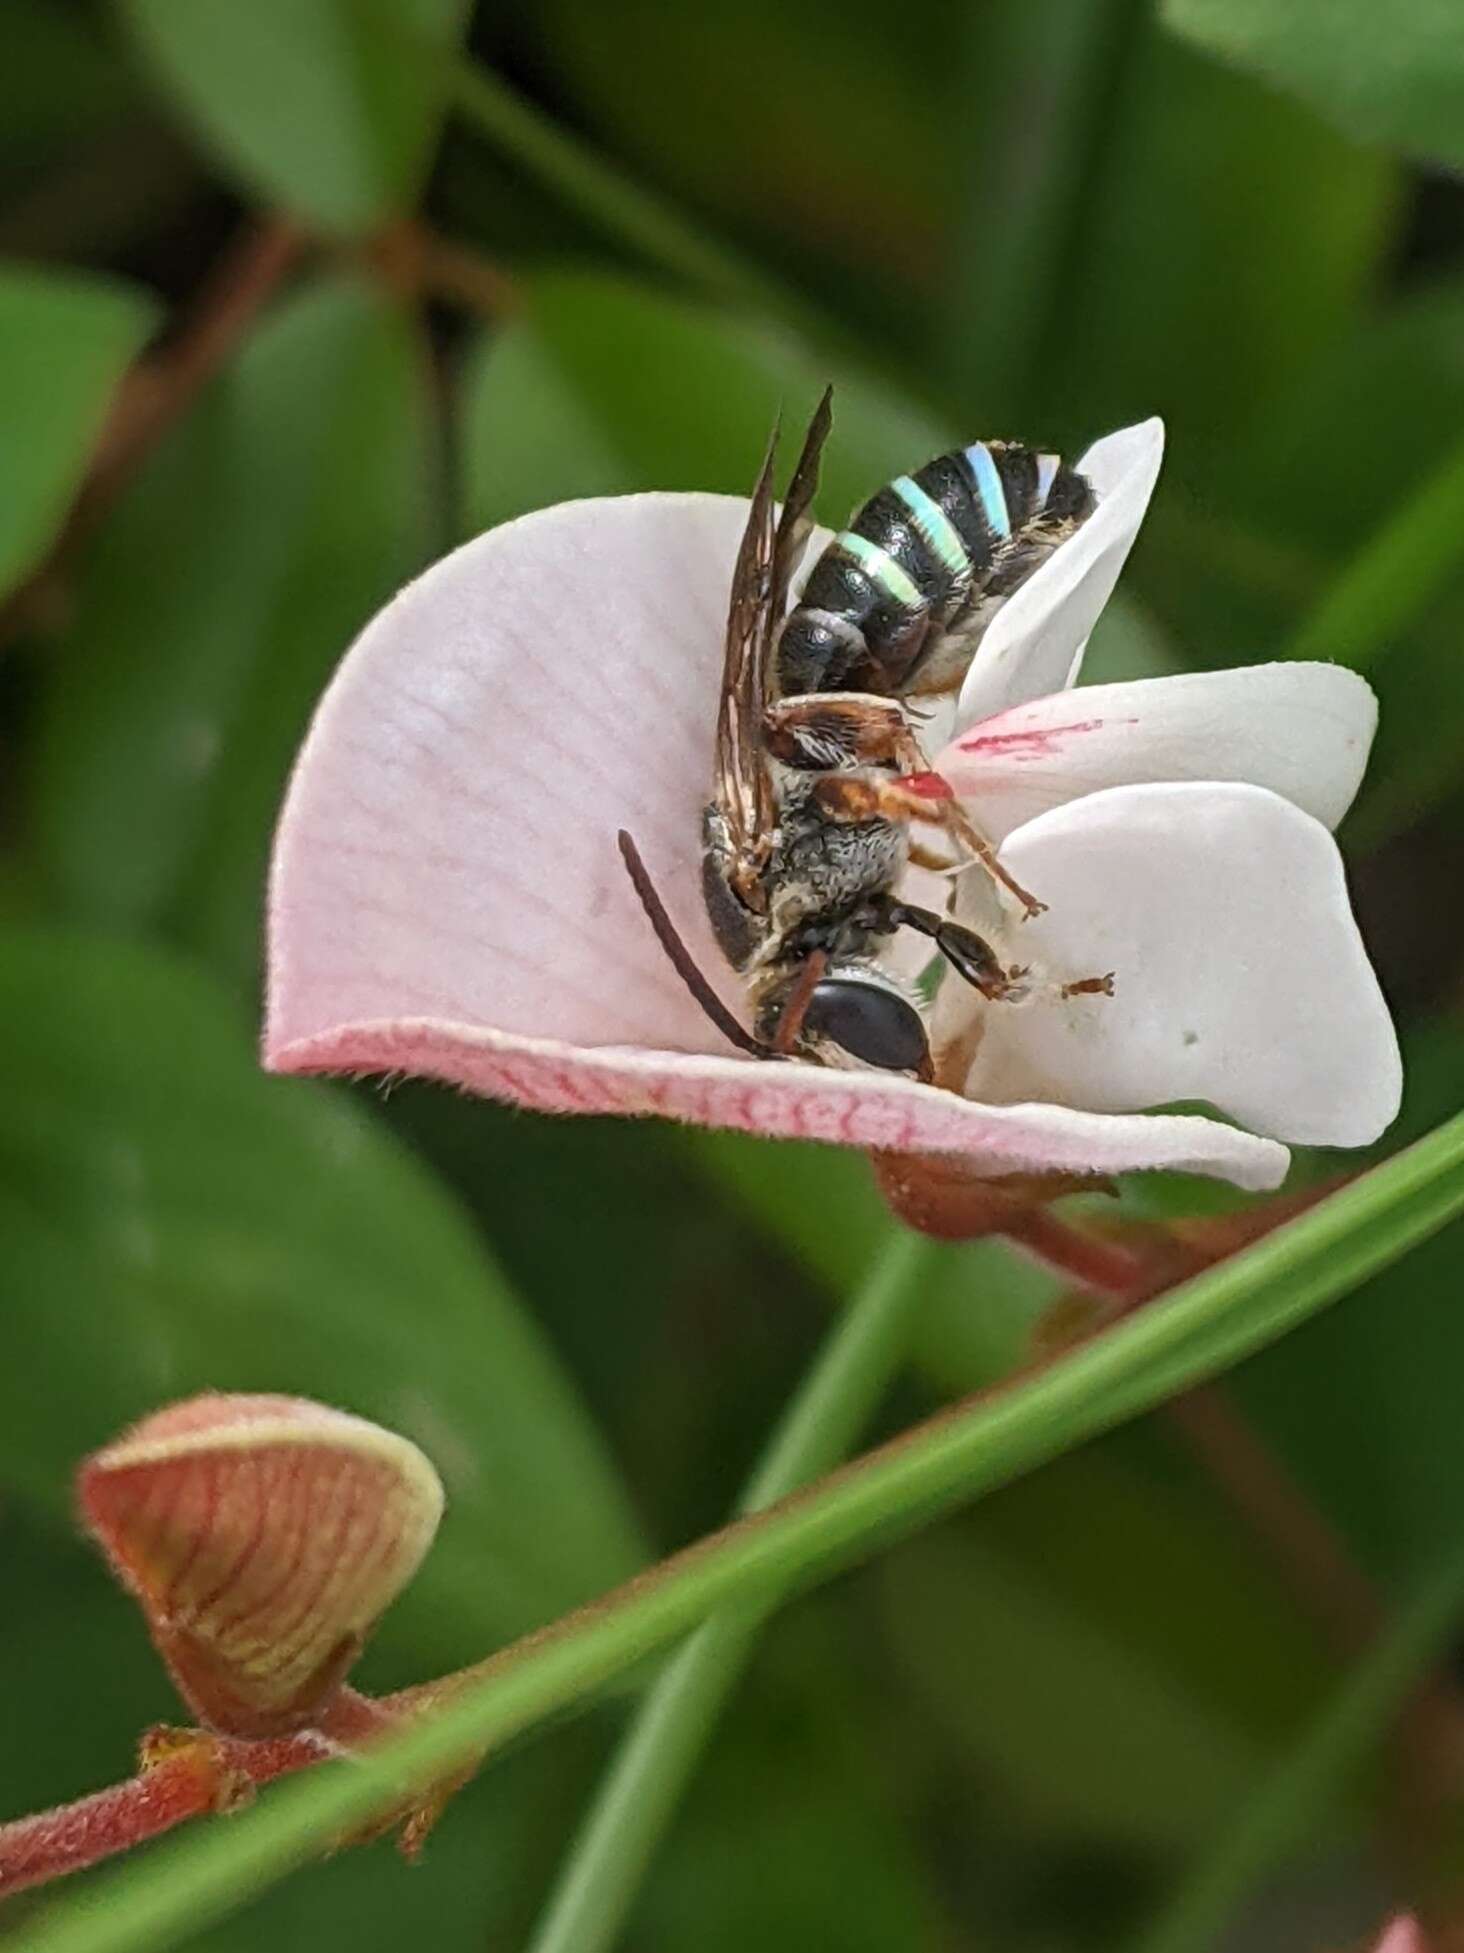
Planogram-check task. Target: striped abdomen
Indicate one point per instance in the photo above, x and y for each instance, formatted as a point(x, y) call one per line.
point(897, 602)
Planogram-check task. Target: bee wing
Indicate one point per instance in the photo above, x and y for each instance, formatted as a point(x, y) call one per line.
point(744, 790)
point(795, 524)
point(769, 555)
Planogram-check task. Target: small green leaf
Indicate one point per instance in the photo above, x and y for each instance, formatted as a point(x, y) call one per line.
point(176, 1221)
point(1398, 79)
point(65, 340)
point(606, 387)
point(211, 612)
point(328, 107)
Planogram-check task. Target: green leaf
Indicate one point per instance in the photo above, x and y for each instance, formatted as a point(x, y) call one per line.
point(1293, 1802)
point(174, 1220)
point(65, 340)
point(1399, 81)
point(799, 1786)
point(211, 612)
point(605, 387)
point(1083, 1733)
point(1107, 1648)
point(65, 1619)
point(841, 172)
point(979, 1304)
point(328, 107)
point(1200, 1328)
point(1203, 167)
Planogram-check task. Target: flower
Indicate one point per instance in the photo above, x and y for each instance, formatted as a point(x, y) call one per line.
point(262, 1537)
point(448, 899)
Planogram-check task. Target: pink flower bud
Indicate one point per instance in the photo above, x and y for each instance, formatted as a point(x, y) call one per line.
point(263, 1537)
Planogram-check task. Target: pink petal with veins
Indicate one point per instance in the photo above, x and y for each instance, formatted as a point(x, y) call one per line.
point(790, 1101)
point(448, 898)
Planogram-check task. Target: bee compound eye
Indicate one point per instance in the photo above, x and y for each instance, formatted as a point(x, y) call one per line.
point(872, 1023)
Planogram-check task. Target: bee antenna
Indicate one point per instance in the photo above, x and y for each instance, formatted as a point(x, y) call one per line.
point(679, 955)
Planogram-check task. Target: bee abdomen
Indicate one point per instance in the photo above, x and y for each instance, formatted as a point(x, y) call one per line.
point(926, 554)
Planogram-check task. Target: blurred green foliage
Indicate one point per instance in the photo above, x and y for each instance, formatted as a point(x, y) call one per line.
point(1034, 1724)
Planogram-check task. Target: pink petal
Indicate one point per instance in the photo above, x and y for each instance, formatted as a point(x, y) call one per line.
point(1036, 641)
point(1240, 977)
point(447, 895)
point(448, 850)
point(790, 1101)
point(1303, 730)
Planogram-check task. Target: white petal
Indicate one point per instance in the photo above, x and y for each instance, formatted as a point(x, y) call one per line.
point(1303, 730)
point(1035, 642)
point(1240, 977)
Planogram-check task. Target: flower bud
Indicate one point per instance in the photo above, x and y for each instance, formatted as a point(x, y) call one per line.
point(263, 1537)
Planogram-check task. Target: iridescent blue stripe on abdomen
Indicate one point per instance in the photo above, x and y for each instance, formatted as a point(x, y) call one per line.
point(989, 488)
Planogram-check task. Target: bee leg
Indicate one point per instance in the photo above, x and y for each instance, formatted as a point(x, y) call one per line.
point(817, 731)
point(929, 797)
point(969, 955)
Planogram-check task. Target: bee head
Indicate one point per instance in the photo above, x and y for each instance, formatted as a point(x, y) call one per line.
point(857, 1013)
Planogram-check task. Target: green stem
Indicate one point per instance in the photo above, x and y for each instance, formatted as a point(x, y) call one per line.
point(1394, 578)
point(659, 1752)
point(1214, 1320)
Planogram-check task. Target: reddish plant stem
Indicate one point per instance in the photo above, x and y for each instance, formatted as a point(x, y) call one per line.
point(416, 262)
point(187, 1773)
point(161, 387)
point(160, 390)
point(1102, 1266)
point(198, 1775)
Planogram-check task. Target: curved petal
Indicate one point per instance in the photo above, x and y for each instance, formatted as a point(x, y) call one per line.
point(447, 848)
point(788, 1101)
point(1240, 978)
point(1035, 643)
point(1303, 730)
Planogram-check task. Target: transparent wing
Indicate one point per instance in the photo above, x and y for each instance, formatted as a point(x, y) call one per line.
point(766, 562)
point(744, 792)
point(795, 523)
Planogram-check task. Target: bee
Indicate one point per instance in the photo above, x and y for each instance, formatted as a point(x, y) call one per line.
point(819, 775)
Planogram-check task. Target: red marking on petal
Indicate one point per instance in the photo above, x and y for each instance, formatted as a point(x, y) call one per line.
point(927, 786)
point(1038, 742)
